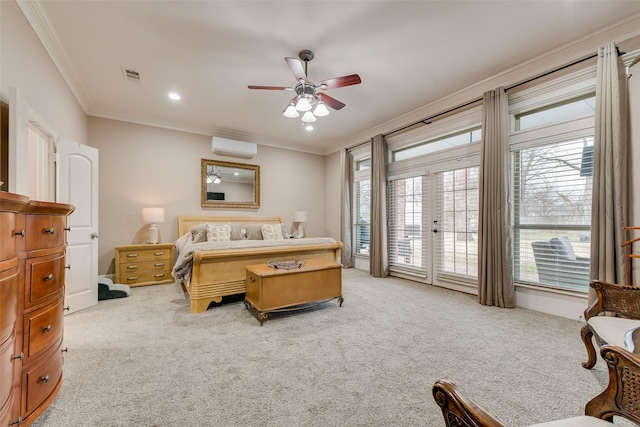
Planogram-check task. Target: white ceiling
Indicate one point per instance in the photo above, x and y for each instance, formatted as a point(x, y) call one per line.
point(408, 54)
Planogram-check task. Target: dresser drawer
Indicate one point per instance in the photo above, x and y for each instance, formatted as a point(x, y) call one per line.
point(6, 369)
point(42, 328)
point(7, 235)
point(9, 299)
point(45, 231)
point(40, 380)
point(145, 277)
point(44, 278)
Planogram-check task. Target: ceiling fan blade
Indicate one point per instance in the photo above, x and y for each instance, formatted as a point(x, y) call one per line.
point(332, 102)
point(297, 69)
point(352, 79)
point(271, 87)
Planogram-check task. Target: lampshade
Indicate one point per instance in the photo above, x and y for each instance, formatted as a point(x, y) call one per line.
point(308, 117)
point(153, 215)
point(300, 216)
point(321, 110)
point(291, 111)
point(303, 104)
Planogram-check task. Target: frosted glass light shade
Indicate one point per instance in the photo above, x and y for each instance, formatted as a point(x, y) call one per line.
point(321, 110)
point(303, 104)
point(153, 215)
point(291, 111)
point(308, 117)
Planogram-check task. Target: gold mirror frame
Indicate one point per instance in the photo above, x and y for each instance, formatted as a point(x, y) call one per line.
point(226, 168)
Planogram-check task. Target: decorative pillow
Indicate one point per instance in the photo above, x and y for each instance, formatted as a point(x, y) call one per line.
point(285, 232)
point(199, 233)
point(182, 242)
point(563, 248)
point(272, 232)
point(218, 233)
point(236, 232)
point(254, 232)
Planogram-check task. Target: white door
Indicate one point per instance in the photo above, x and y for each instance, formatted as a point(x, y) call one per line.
point(78, 186)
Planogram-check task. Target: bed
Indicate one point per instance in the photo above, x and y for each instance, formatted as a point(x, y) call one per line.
point(215, 271)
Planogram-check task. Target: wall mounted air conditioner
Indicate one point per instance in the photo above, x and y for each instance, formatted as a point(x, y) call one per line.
point(229, 147)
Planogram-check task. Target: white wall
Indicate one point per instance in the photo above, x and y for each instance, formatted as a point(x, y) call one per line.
point(25, 65)
point(147, 166)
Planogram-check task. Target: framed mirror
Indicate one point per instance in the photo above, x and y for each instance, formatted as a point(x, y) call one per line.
point(229, 184)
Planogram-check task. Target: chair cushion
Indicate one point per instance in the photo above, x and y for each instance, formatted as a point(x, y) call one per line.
point(563, 248)
point(583, 421)
point(613, 329)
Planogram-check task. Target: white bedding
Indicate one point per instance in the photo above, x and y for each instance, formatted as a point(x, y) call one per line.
point(182, 268)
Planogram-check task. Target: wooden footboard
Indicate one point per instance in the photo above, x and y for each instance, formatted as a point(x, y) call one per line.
point(216, 274)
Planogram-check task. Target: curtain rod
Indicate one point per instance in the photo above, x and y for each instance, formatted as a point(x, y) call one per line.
point(427, 120)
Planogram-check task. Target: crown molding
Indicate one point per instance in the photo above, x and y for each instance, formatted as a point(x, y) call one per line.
point(38, 18)
point(580, 48)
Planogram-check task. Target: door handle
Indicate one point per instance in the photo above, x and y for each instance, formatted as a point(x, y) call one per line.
point(94, 235)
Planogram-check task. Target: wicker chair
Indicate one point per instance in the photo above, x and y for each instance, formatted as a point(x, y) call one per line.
point(622, 303)
point(620, 398)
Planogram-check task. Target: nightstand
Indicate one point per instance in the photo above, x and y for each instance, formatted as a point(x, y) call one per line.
point(140, 265)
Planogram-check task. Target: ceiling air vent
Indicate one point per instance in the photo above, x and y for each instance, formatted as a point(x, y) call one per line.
point(130, 74)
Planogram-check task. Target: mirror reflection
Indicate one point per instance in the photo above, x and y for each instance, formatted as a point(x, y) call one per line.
point(229, 184)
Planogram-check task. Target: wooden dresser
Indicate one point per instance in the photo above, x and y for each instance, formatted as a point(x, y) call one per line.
point(32, 269)
point(140, 265)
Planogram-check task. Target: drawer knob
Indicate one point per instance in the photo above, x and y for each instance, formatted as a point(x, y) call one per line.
point(16, 422)
point(47, 328)
point(131, 267)
point(132, 255)
point(64, 350)
point(19, 233)
point(48, 277)
point(252, 279)
point(50, 230)
point(68, 267)
point(67, 308)
point(45, 379)
point(67, 229)
point(132, 278)
point(20, 356)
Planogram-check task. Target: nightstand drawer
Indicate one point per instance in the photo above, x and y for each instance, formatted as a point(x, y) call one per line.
point(146, 255)
point(159, 265)
point(145, 277)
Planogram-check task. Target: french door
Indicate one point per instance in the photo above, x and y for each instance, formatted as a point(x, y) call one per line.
point(433, 227)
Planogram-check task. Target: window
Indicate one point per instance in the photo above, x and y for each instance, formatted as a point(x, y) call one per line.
point(362, 216)
point(457, 202)
point(552, 159)
point(438, 144)
point(406, 222)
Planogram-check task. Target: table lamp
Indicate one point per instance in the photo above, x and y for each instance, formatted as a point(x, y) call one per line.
point(300, 217)
point(153, 216)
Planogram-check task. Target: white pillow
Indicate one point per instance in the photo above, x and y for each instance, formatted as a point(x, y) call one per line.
point(271, 232)
point(218, 233)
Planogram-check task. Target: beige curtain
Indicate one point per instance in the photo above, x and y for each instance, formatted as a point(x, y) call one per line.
point(378, 251)
point(495, 277)
point(609, 204)
point(346, 217)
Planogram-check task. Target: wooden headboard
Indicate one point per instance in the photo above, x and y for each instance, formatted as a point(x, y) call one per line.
point(185, 222)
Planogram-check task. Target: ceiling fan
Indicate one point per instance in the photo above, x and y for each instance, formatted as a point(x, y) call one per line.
point(310, 96)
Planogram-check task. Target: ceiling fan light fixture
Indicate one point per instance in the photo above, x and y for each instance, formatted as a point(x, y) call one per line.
point(321, 110)
point(303, 104)
point(291, 111)
point(308, 117)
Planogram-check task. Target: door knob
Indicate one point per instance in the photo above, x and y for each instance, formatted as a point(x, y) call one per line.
point(94, 235)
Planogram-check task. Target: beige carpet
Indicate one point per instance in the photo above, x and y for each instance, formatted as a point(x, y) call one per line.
point(146, 361)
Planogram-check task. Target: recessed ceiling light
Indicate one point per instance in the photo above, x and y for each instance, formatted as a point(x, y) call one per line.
point(174, 96)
